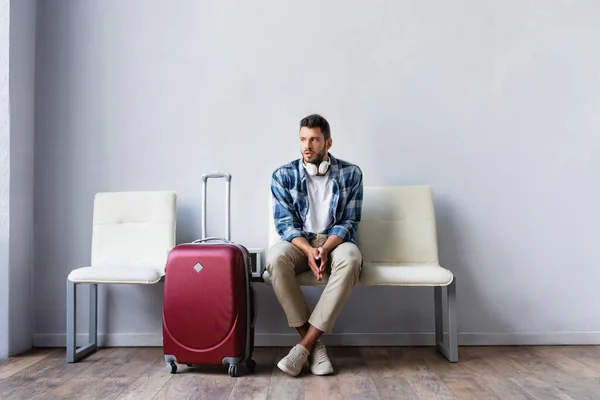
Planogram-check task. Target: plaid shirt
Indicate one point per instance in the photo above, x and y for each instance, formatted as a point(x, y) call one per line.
point(290, 199)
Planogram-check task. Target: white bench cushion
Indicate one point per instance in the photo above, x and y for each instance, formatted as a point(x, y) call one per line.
point(404, 274)
point(117, 274)
point(398, 225)
point(387, 274)
point(132, 229)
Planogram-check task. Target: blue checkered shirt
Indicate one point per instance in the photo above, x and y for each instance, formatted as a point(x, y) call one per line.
point(290, 199)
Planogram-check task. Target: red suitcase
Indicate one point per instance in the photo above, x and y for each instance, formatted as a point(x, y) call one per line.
point(209, 305)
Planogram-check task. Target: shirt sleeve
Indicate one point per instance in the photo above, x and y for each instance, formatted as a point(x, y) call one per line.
point(287, 222)
point(347, 226)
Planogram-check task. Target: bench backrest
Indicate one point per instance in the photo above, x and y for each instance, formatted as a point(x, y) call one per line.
point(133, 228)
point(398, 225)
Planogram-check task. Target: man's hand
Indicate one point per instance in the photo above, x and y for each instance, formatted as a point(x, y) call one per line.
point(323, 255)
point(331, 243)
point(317, 257)
point(315, 263)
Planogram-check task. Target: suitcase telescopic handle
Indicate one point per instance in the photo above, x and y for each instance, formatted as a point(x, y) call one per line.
point(210, 175)
point(205, 179)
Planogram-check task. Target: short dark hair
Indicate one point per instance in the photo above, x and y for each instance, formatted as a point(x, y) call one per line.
point(317, 121)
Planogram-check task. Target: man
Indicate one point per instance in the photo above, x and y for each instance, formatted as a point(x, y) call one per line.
point(317, 210)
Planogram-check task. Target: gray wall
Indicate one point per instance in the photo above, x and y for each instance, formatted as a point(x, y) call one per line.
point(22, 97)
point(4, 174)
point(494, 104)
point(17, 96)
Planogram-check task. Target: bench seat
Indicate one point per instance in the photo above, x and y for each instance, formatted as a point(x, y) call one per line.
point(118, 274)
point(387, 274)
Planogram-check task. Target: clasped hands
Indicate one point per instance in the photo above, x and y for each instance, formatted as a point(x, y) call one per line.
point(317, 261)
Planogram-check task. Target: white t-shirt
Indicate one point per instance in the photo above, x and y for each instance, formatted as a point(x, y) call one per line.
point(319, 216)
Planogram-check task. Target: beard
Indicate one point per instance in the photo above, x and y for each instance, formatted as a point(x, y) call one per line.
point(317, 158)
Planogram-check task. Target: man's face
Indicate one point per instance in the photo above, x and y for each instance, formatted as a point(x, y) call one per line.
point(313, 145)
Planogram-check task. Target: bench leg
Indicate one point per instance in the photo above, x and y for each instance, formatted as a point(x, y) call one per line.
point(73, 353)
point(448, 348)
point(93, 330)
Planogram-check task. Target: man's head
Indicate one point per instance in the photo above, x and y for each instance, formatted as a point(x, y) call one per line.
point(315, 139)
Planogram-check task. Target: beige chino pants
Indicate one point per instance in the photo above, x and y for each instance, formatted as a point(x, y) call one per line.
point(285, 261)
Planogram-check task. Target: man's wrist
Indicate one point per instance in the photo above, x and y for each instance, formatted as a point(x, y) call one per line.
point(331, 243)
point(302, 244)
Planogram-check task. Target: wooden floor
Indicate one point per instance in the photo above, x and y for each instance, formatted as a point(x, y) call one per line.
point(361, 373)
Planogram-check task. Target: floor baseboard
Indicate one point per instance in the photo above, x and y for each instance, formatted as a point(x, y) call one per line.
point(348, 339)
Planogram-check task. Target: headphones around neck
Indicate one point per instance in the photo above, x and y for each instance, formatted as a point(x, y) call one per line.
point(311, 168)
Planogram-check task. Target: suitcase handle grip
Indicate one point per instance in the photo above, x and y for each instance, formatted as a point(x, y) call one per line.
point(210, 175)
point(212, 238)
point(205, 178)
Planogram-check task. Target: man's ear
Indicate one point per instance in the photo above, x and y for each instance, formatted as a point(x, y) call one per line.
point(328, 143)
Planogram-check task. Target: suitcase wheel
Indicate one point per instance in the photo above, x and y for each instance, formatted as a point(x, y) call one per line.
point(172, 367)
point(251, 364)
point(232, 370)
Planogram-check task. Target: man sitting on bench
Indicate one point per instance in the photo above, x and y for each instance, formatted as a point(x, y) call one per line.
point(317, 209)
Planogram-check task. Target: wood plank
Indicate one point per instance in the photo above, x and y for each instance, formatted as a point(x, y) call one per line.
point(353, 374)
point(204, 382)
point(530, 361)
point(565, 363)
point(540, 389)
point(284, 386)
point(586, 355)
point(182, 386)
point(149, 383)
point(423, 381)
point(437, 363)
point(139, 363)
point(107, 388)
point(26, 366)
point(217, 386)
point(531, 358)
point(461, 381)
point(543, 372)
point(488, 377)
point(89, 382)
point(322, 387)
point(76, 386)
point(45, 376)
point(8, 386)
point(56, 372)
point(406, 361)
point(18, 363)
point(325, 387)
point(577, 352)
point(498, 359)
point(103, 363)
point(387, 376)
point(591, 362)
point(256, 385)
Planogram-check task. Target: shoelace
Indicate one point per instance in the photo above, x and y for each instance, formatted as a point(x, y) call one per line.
point(320, 354)
point(296, 357)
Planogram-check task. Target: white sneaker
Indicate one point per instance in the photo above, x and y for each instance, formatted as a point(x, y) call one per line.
point(319, 361)
point(292, 363)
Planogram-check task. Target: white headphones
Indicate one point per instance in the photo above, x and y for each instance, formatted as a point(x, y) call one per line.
point(311, 168)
